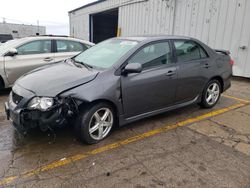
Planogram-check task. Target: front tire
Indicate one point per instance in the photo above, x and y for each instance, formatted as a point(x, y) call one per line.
point(95, 123)
point(211, 94)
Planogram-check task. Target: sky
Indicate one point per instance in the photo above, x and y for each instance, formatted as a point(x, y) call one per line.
point(50, 13)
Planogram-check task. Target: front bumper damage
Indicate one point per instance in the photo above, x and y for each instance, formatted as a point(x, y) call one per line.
point(24, 119)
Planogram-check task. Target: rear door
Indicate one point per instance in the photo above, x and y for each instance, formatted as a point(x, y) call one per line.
point(192, 64)
point(65, 49)
point(153, 88)
point(30, 55)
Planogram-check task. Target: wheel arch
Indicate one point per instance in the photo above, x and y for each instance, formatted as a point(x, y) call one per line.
point(97, 101)
point(218, 78)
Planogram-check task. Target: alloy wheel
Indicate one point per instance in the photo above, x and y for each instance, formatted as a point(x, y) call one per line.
point(101, 123)
point(212, 94)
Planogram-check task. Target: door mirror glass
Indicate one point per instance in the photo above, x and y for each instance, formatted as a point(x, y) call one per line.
point(132, 68)
point(12, 52)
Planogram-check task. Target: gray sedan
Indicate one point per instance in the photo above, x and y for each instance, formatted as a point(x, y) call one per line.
point(119, 81)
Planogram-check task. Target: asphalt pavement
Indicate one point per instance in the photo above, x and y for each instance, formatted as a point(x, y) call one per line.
point(188, 147)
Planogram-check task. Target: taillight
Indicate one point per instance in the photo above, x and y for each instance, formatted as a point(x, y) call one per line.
point(231, 62)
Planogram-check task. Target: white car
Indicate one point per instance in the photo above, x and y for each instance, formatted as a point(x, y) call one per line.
point(20, 56)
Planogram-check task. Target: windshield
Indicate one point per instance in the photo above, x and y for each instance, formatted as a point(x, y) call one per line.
point(105, 54)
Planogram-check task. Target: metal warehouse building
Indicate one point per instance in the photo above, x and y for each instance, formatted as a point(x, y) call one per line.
point(222, 24)
point(21, 30)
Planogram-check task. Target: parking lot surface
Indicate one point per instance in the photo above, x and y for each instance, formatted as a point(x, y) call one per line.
point(189, 147)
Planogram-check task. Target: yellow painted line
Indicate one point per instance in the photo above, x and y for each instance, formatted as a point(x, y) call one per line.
point(115, 145)
point(236, 98)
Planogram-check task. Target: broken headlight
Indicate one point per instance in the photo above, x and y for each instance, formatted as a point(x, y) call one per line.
point(40, 103)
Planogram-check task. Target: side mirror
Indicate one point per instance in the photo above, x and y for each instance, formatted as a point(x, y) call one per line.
point(12, 52)
point(132, 68)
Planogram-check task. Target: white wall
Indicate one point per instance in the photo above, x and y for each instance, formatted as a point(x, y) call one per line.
point(222, 24)
point(147, 17)
point(79, 20)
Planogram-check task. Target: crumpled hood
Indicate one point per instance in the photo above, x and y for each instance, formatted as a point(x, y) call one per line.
point(51, 80)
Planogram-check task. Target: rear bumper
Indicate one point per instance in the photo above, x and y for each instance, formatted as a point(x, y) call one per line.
point(227, 84)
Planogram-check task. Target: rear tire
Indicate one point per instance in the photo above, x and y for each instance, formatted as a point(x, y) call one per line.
point(95, 123)
point(211, 94)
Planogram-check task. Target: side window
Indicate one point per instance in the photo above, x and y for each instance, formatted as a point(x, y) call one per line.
point(35, 47)
point(203, 53)
point(188, 50)
point(153, 55)
point(69, 46)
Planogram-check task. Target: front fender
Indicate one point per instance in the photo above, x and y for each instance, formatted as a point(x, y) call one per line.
point(104, 87)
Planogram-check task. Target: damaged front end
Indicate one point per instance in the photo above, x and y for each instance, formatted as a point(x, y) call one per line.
point(57, 115)
point(36, 114)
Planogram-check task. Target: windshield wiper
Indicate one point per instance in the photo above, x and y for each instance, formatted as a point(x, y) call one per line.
point(84, 64)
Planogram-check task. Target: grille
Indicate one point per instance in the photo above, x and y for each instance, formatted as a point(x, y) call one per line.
point(16, 98)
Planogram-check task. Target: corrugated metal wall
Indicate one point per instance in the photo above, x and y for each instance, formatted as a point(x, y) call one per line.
point(79, 20)
point(222, 24)
point(147, 17)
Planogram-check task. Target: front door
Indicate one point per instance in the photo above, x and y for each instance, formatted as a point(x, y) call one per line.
point(153, 88)
point(30, 56)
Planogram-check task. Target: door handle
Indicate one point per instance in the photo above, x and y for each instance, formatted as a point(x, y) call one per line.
point(207, 66)
point(170, 73)
point(48, 59)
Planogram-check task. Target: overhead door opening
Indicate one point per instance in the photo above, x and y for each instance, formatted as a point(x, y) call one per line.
point(103, 25)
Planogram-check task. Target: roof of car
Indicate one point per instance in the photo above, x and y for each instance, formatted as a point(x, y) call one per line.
point(40, 37)
point(153, 37)
point(17, 42)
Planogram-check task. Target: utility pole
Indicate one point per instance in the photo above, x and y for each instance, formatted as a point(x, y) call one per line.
point(38, 27)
